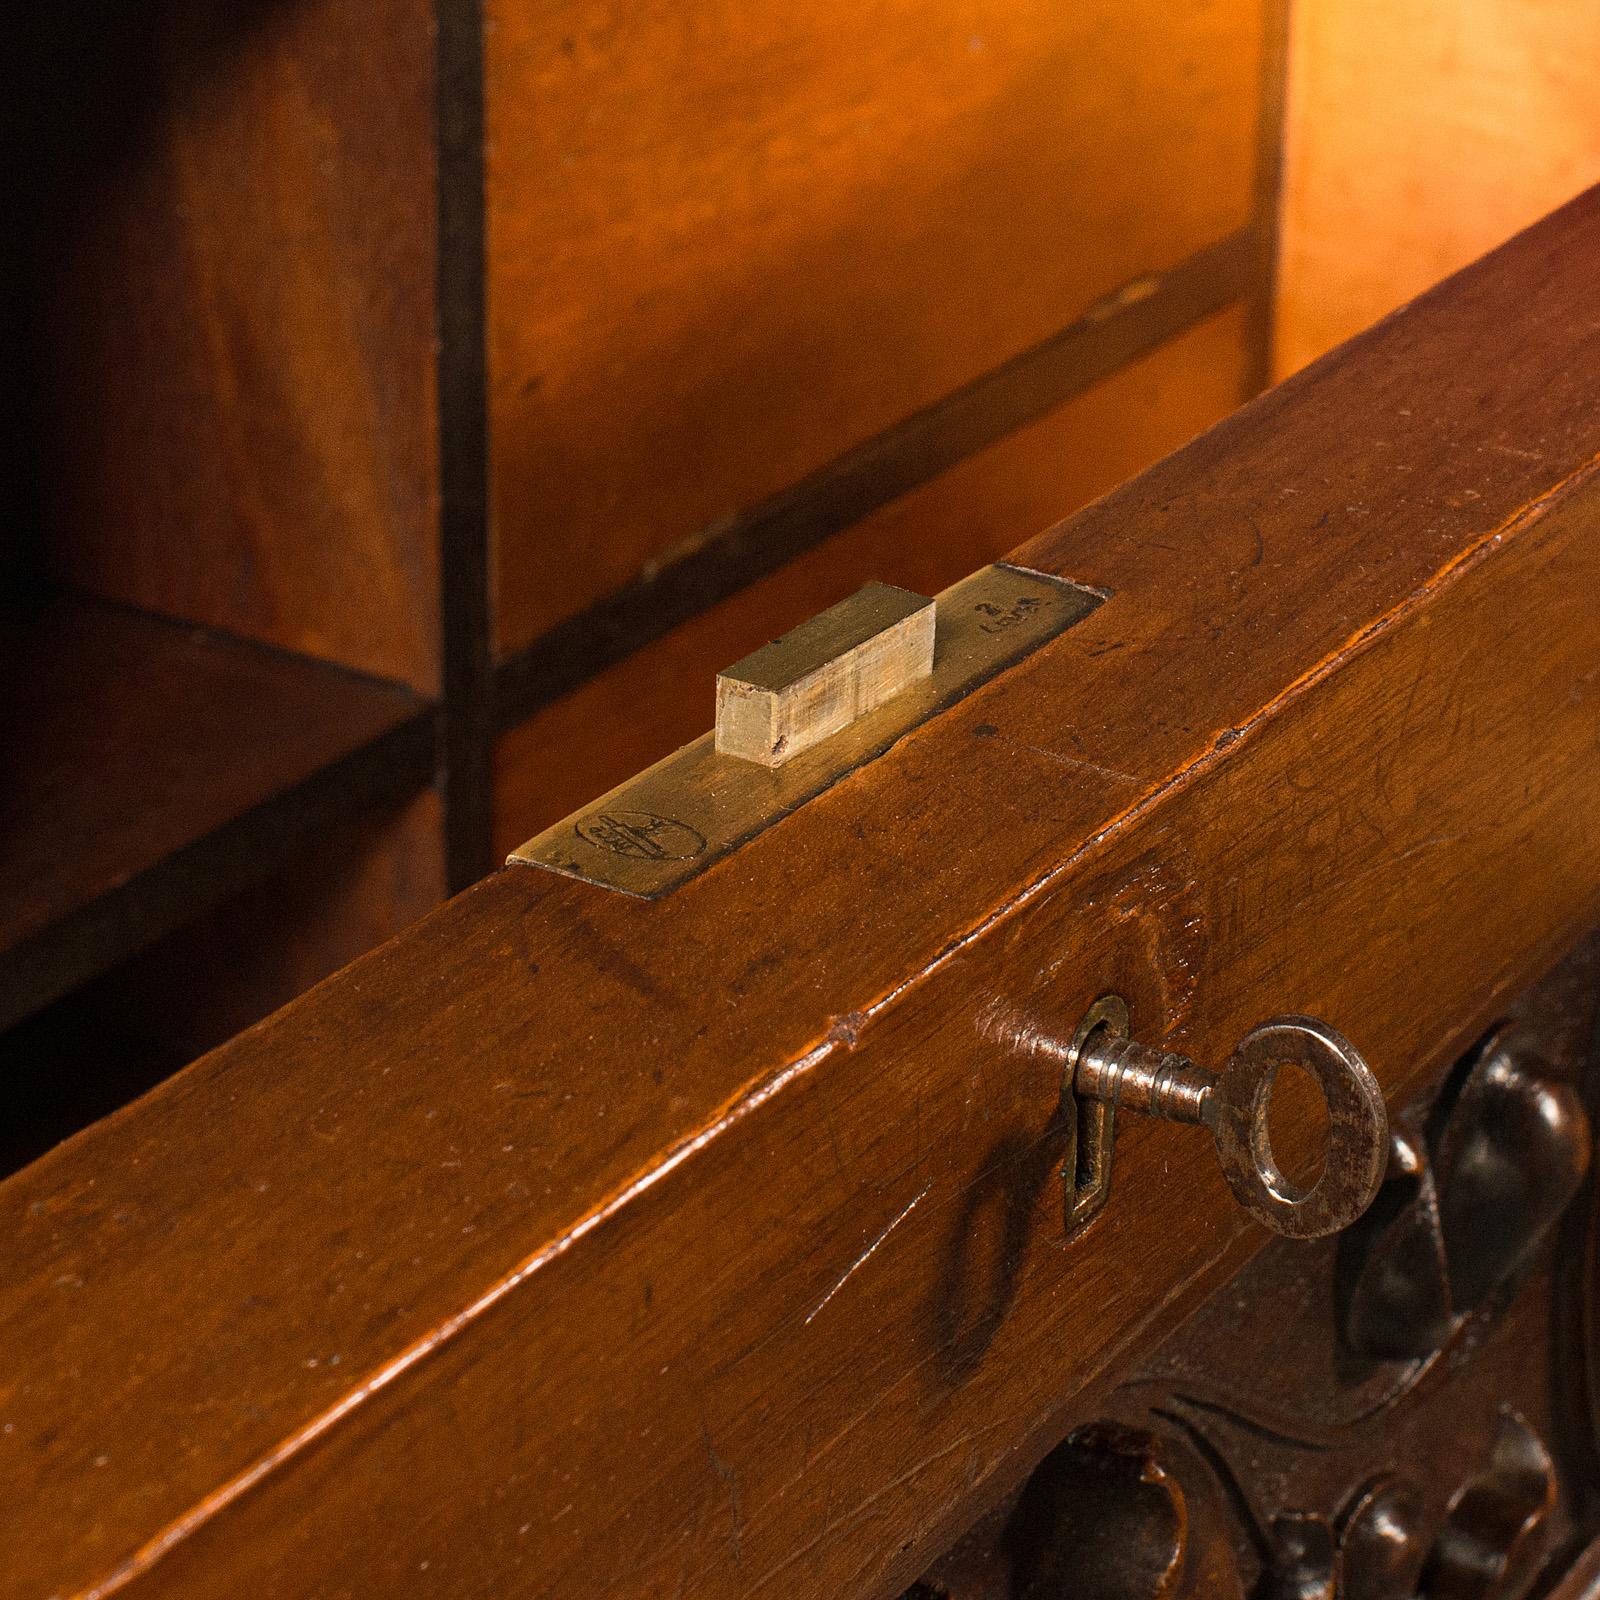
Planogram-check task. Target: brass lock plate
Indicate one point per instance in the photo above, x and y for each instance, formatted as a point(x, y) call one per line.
point(688, 811)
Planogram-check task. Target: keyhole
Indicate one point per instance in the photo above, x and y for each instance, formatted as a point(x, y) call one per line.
point(1297, 1125)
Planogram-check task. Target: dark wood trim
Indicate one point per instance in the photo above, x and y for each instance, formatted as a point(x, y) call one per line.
point(1116, 330)
point(1270, 132)
point(466, 723)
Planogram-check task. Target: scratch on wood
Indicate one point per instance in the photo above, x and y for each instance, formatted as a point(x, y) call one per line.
point(730, 1476)
point(845, 1030)
point(1434, 841)
point(742, 1105)
point(1056, 757)
point(1073, 761)
point(863, 1510)
point(866, 1255)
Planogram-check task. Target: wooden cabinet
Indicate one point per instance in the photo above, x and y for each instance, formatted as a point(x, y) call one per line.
point(712, 1242)
point(514, 367)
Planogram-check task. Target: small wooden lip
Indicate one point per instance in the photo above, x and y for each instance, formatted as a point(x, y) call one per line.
point(825, 674)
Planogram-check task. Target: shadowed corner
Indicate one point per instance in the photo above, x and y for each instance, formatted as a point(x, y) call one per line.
point(86, 87)
point(988, 1246)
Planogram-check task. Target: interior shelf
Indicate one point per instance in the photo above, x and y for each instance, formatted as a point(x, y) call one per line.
point(152, 768)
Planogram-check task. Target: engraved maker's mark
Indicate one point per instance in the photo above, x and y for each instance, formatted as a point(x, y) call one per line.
point(642, 835)
point(1002, 618)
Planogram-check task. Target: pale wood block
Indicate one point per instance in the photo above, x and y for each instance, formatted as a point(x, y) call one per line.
point(823, 675)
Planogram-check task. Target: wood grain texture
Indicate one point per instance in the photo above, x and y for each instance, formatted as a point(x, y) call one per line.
point(1421, 133)
point(153, 769)
point(663, 696)
point(239, 408)
point(573, 1245)
point(726, 246)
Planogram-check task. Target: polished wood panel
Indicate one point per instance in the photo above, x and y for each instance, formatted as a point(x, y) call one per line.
point(152, 769)
point(1419, 135)
point(663, 696)
point(728, 244)
point(576, 1244)
point(237, 314)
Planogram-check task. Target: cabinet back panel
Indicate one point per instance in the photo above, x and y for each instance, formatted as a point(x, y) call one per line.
point(727, 242)
point(239, 407)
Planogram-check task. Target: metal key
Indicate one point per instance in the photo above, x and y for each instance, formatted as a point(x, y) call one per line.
point(1104, 1069)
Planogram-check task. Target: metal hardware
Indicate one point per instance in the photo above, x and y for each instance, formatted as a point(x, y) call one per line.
point(672, 821)
point(1104, 1068)
point(822, 676)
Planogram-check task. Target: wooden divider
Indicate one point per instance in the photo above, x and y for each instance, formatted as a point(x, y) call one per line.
point(229, 226)
point(240, 393)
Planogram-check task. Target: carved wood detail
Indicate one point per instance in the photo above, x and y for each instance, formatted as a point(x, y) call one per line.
point(1406, 1411)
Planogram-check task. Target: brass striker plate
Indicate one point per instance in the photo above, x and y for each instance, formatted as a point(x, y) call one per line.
point(675, 819)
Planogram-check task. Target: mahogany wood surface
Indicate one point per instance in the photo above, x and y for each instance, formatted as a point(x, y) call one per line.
point(579, 1245)
point(237, 315)
point(228, 415)
point(152, 768)
point(727, 245)
point(1420, 136)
